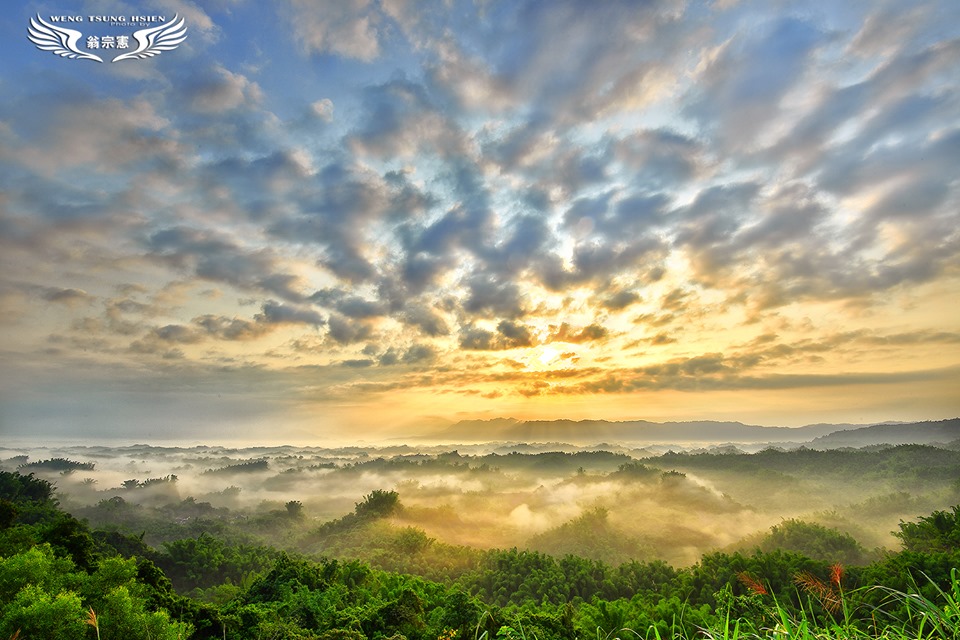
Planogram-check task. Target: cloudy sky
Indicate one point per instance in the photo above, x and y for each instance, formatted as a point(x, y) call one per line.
point(359, 218)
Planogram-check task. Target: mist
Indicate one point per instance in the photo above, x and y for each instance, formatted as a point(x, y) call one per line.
point(610, 502)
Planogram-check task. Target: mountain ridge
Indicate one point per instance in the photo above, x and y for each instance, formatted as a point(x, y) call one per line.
point(628, 430)
point(926, 432)
point(699, 431)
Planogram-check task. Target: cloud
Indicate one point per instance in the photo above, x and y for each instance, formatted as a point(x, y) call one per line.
point(620, 300)
point(419, 353)
point(713, 372)
point(400, 119)
point(552, 56)
point(342, 205)
point(350, 28)
point(508, 335)
point(661, 157)
point(111, 134)
point(651, 181)
point(567, 333)
point(891, 27)
point(212, 255)
point(276, 313)
point(489, 296)
point(598, 261)
point(231, 328)
point(66, 296)
point(515, 334)
point(322, 109)
point(356, 307)
point(469, 80)
point(426, 320)
point(177, 333)
point(358, 364)
point(346, 331)
point(734, 96)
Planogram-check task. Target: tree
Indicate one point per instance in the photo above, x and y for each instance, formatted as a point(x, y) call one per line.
point(938, 532)
point(36, 613)
point(378, 504)
point(814, 541)
point(294, 510)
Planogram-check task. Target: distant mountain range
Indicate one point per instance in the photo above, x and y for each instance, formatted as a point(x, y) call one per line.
point(942, 431)
point(704, 431)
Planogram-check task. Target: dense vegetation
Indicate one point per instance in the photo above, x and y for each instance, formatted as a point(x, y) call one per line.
point(60, 578)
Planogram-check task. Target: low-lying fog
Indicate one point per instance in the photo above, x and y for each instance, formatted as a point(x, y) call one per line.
point(612, 502)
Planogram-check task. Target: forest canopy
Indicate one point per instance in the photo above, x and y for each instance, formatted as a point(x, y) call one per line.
point(145, 558)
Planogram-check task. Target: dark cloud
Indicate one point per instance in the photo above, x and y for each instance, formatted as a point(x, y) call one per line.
point(509, 335)
point(210, 255)
point(678, 377)
point(490, 297)
point(152, 348)
point(276, 313)
point(346, 331)
point(231, 328)
point(67, 296)
point(400, 119)
point(792, 216)
point(528, 238)
point(257, 183)
point(661, 157)
point(600, 260)
point(620, 300)
point(477, 339)
point(577, 335)
point(357, 364)
point(335, 213)
point(349, 305)
point(234, 329)
point(419, 353)
point(534, 151)
point(428, 321)
point(913, 200)
point(177, 333)
point(515, 334)
point(389, 358)
point(356, 307)
point(662, 339)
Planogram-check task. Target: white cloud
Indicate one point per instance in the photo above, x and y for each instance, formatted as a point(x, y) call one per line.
point(349, 28)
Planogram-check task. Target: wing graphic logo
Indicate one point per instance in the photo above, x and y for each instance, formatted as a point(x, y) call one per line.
point(59, 40)
point(156, 40)
point(65, 42)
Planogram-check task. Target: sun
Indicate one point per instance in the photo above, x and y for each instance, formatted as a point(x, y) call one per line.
point(547, 356)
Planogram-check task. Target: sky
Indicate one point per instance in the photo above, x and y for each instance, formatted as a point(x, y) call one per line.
point(369, 218)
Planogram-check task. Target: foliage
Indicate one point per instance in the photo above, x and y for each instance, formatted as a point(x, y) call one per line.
point(58, 464)
point(376, 505)
point(207, 561)
point(815, 541)
point(46, 596)
point(591, 535)
point(249, 466)
point(938, 532)
point(59, 579)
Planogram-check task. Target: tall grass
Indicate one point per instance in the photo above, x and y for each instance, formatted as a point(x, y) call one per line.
point(921, 618)
point(924, 619)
